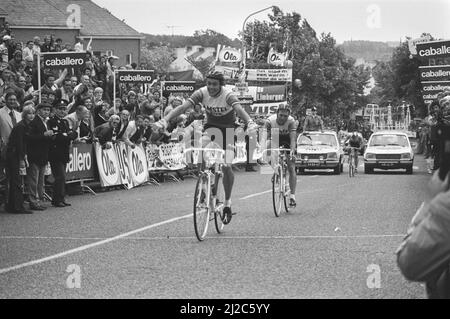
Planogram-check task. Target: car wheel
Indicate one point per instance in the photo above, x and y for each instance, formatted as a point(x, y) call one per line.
point(342, 167)
point(368, 170)
point(409, 170)
point(300, 170)
point(337, 170)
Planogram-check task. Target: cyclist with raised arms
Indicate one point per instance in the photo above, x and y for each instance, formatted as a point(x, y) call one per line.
point(280, 130)
point(221, 107)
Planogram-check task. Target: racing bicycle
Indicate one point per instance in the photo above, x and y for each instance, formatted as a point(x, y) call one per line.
point(209, 194)
point(280, 186)
point(351, 161)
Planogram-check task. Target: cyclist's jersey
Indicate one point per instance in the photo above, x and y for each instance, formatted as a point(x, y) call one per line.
point(355, 142)
point(219, 109)
point(283, 130)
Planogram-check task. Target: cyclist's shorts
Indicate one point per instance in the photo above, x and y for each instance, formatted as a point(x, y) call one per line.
point(225, 140)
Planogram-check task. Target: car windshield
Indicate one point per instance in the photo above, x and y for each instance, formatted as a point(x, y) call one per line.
point(389, 140)
point(317, 139)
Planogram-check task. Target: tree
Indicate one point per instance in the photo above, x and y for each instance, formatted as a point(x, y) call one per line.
point(157, 58)
point(330, 79)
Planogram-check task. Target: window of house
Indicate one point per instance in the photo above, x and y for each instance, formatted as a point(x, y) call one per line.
point(201, 49)
point(189, 48)
point(109, 52)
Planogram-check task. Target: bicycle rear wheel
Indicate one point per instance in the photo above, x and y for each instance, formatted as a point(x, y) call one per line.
point(201, 207)
point(277, 194)
point(220, 199)
point(285, 196)
point(350, 166)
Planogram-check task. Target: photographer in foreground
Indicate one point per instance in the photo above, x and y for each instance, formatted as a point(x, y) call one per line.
point(424, 255)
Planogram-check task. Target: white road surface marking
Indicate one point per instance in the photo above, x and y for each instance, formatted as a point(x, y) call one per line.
point(85, 247)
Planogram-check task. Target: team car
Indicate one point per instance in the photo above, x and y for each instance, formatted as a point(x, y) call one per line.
point(388, 150)
point(317, 150)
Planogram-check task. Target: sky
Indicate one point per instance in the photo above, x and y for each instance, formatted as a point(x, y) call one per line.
point(381, 20)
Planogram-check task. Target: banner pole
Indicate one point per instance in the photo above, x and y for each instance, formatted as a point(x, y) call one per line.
point(114, 91)
point(39, 76)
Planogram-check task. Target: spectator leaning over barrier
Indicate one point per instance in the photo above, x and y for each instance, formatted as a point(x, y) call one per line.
point(9, 117)
point(37, 147)
point(74, 119)
point(106, 133)
point(127, 129)
point(137, 137)
point(17, 162)
point(59, 152)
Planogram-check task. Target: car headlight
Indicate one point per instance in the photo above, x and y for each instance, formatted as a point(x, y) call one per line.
point(370, 156)
point(332, 156)
point(406, 156)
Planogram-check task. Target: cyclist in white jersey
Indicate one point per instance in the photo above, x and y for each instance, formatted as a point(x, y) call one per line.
point(280, 130)
point(221, 108)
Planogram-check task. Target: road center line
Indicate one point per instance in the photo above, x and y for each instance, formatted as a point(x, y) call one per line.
point(85, 247)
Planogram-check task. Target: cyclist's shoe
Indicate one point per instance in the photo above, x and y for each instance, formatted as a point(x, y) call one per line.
point(227, 215)
point(292, 202)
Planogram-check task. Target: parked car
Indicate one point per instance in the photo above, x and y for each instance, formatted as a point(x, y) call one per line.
point(388, 150)
point(317, 150)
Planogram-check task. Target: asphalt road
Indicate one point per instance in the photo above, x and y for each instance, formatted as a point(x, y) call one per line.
point(140, 243)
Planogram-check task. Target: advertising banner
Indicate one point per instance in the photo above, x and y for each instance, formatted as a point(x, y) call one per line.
point(433, 49)
point(413, 42)
point(178, 87)
point(266, 108)
point(62, 60)
point(135, 76)
point(121, 150)
point(108, 166)
point(138, 165)
point(81, 163)
point(262, 75)
point(276, 58)
point(434, 73)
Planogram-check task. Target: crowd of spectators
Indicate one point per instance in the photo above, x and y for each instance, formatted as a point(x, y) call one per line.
point(72, 106)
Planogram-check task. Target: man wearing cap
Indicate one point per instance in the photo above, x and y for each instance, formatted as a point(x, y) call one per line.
point(313, 122)
point(59, 152)
point(38, 146)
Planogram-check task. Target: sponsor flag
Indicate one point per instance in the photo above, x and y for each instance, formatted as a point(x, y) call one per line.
point(276, 58)
point(169, 87)
point(108, 166)
point(413, 42)
point(231, 55)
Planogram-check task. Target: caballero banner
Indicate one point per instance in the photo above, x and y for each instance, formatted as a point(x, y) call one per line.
point(135, 76)
point(435, 86)
point(433, 49)
point(434, 73)
point(81, 163)
point(169, 87)
point(62, 60)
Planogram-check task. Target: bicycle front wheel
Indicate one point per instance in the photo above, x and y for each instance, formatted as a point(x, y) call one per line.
point(277, 193)
point(220, 199)
point(201, 207)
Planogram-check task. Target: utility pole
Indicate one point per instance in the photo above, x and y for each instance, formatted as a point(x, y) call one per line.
point(173, 27)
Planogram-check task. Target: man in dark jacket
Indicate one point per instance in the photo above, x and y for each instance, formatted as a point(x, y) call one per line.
point(59, 152)
point(107, 133)
point(38, 146)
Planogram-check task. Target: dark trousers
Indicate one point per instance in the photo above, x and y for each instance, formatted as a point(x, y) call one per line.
point(15, 191)
point(59, 186)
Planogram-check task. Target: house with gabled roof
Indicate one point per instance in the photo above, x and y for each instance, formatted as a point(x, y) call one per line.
point(69, 19)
